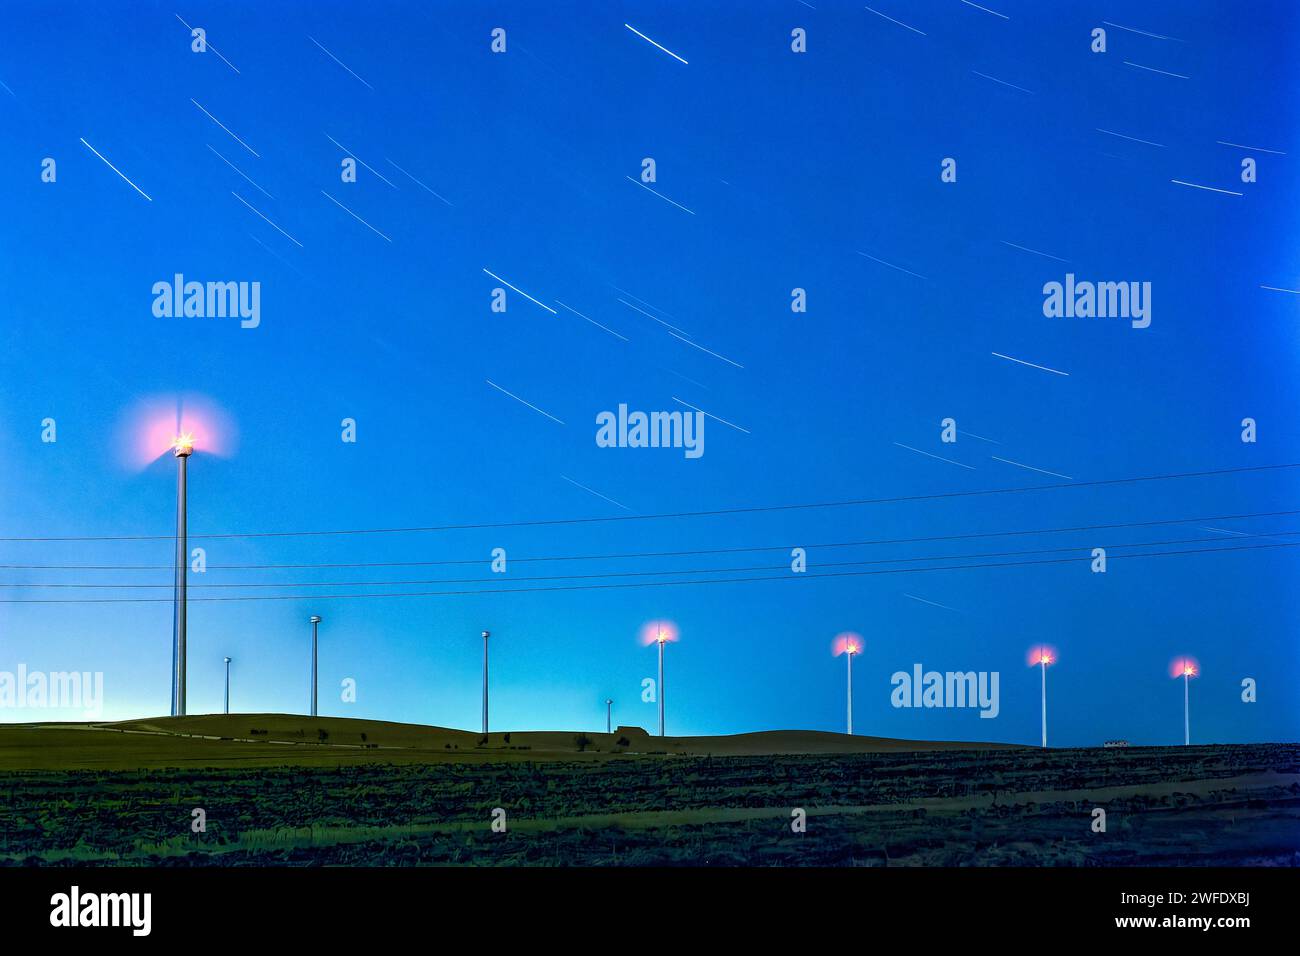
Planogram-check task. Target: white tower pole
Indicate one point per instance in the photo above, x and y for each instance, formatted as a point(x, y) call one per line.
point(661, 684)
point(849, 655)
point(183, 449)
point(1187, 725)
point(1042, 662)
point(486, 635)
point(315, 622)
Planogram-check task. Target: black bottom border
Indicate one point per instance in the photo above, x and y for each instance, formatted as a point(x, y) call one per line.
point(329, 904)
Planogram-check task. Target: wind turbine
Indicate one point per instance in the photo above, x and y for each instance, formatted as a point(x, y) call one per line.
point(609, 715)
point(1186, 669)
point(1042, 656)
point(486, 635)
point(182, 448)
point(848, 644)
point(661, 640)
point(315, 623)
point(661, 633)
point(227, 660)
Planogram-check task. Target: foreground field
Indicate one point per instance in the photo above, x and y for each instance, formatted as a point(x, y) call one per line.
point(274, 740)
point(412, 795)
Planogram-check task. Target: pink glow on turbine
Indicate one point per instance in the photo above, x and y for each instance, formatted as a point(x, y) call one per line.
point(655, 632)
point(847, 643)
point(150, 429)
point(1042, 653)
point(1184, 665)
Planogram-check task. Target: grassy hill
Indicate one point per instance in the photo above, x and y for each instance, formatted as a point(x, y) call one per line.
point(274, 740)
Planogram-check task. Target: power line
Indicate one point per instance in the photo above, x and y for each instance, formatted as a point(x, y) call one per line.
point(788, 576)
point(765, 509)
point(656, 554)
point(654, 517)
point(636, 574)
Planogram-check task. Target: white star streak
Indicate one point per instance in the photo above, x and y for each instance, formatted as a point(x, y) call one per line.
point(986, 10)
point(1030, 364)
point(1152, 69)
point(116, 170)
point(711, 415)
point(892, 266)
point(1004, 83)
point(938, 457)
point(703, 349)
point(1041, 471)
point(277, 255)
point(1273, 288)
point(659, 194)
point(892, 20)
point(652, 42)
point(1156, 36)
point(596, 493)
point(355, 216)
point(521, 401)
point(648, 305)
point(358, 158)
point(592, 321)
point(1131, 138)
point(209, 45)
point(931, 603)
point(1212, 189)
point(222, 125)
point(522, 292)
point(416, 181)
point(1253, 149)
point(338, 61)
point(655, 318)
point(264, 219)
point(1045, 255)
point(238, 170)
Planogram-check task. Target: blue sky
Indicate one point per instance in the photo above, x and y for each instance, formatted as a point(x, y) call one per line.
point(799, 170)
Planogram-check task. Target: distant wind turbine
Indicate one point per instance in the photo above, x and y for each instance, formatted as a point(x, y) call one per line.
point(315, 622)
point(1042, 656)
point(660, 641)
point(1186, 669)
point(661, 633)
point(486, 635)
point(849, 644)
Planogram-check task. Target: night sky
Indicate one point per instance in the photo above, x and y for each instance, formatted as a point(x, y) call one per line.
point(775, 171)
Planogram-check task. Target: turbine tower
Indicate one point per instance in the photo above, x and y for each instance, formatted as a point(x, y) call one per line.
point(182, 448)
point(227, 660)
point(315, 622)
point(661, 640)
point(609, 715)
point(849, 650)
point(1044, 658)
point(848, 643)
point(486, 635)
point(1189, 671)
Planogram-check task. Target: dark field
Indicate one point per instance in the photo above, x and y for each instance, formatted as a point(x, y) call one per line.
point(1226, 805)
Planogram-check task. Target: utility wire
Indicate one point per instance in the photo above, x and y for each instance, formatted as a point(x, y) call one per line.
point(678, 514)
point(657, 554)
point(788, 576)
point(1082, 549)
